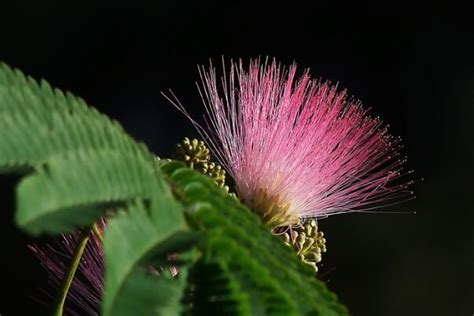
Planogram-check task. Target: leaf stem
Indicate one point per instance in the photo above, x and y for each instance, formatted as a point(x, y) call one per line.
point(71, 270)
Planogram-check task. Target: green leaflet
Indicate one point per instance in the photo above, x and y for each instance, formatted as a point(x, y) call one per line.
point(211, 290)
point(136, 241)
point(79, 165)
point(74, 189)
point(38, 122)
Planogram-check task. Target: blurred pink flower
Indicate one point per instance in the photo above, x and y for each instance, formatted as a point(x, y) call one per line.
point(85, 294)
point(297, 148)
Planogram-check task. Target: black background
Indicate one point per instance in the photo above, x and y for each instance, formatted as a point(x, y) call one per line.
point(415, 70)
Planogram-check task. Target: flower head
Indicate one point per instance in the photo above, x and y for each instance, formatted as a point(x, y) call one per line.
point(297, 147)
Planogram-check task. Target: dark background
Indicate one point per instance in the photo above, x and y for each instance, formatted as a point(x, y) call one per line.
point(415, 70)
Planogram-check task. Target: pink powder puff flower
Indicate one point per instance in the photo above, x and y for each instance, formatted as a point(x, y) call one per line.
point(297, 148)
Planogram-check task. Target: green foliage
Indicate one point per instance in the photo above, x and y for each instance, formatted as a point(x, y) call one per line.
point(79, 162)
point(78, 165)
point(74, 188)
point(137, 241)
point(275, 280)
point(38, 122)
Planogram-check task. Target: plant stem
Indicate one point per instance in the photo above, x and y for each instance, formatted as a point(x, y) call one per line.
point(69, 275)
point(96, 231)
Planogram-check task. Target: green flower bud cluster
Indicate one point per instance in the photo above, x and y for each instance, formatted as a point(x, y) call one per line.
point(193, 152)
point(307, 241)
point(196, 156)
